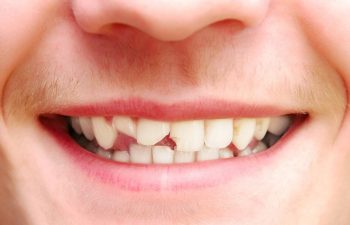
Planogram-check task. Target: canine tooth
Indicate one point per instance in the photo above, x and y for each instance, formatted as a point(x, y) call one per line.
point(259, 147)
point(162, 155)
point(121, 156)
point(184, 157)
point(125, 125)
point(104, 154)
point(243, 132)
point(262, 125)
point(245, 152)
point(150, 132)
point(105, 134)
point(188, 135)
point(218, 133)
point(76, 125)
point(279, 125)
point(86, 127)
point(225, 153)
point(140, 154)
point(207, 154)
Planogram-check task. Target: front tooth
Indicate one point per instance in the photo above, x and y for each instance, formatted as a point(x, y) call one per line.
point(105, 134)
point(76, 125)
point(121, 156)
point(259, 147)
point(218, 133)
point(279, 125)
point(162, 155)
point(208, 154)
point(140, 154)
point(86, 128)
point(243, 132)
point(184, 157)
point(225, 153)
point(150, 132)
point(245, 152)
point(188, 135)
point(125, 125)
point(262, 125)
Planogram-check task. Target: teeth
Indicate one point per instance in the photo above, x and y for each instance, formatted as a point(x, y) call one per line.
point(76, 125)
point(162, 155)
point(207, 154)
point(188, 135)
point(243, 132)
point(104, 154)
point(150, 132)
point(121, 156)
point(279, 125)
point(245, 152)
point(86, 128)
point(225, 153)
point(218, 133)
point(104, 132)
point(140, 154)
point(184, 157)
point(261, 128)
point(259, 147)
point(125, 125)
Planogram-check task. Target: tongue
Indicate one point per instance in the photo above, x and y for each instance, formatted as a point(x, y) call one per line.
point(124, 141)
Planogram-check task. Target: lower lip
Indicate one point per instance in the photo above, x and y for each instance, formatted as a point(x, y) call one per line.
point(174, 177)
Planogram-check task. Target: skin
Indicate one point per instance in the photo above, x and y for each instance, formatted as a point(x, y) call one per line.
point(292, 54)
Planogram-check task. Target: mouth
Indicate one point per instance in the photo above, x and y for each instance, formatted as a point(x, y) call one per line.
point(137, 153)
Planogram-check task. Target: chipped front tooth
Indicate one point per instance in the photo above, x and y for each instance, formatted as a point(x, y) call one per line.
point(86, 127)
point(105, 134)
point(243, 132)
point(225, 153)
point(104, 154)
point(184, 157)
point(121, 156)
point(125, 125)
point(188, 135)
point(262, 124)
point(259, 147)
point(207, 154)
point(218, 133)
point(76, 125)
point(140, 154)
point(162, 155)
point(150, 132)
point(245, 152)
point(279, 125)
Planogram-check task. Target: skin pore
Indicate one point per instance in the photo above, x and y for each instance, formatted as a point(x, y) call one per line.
point(285, 54)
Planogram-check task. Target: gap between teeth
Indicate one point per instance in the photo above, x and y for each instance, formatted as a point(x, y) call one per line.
point(194, 140)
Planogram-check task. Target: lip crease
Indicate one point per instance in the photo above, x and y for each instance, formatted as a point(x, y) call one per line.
point(173, 177)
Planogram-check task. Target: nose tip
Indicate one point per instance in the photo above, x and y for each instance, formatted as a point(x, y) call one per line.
point(166, 20)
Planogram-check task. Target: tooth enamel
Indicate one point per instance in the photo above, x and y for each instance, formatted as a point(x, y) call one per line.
point(245, 152)
point(76, 125)
point(279, 125)
point(140, 154)
point(225, 153)
point(262, 125)
point(121, 156)
point(184, 157)
point(125, 125)
point(104, 132)
point(188, 135)
point(150, 132)
point(86, 128)
point(259, 147)
point(218, 133)
point(104, 154)
point(162, 155)
point(243, 132)
point(207, 154)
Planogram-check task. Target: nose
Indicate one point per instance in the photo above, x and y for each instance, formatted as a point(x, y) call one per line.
point(166, 20)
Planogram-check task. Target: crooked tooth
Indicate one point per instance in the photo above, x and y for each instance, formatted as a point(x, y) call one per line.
point(243, 132)
point(218, 133)
point(225, 153)
point(121, 156)
point(140, 154)
point(150, 132)
point(259, 147)
point(262, 124)
point(86, 127)
point(207, 154)
point(279, 125)
point(184, 157)
point(125, 125)
point(76, 125)
point(162, 155)
point(105, 134)
point(245, 152)
point(188, 135)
